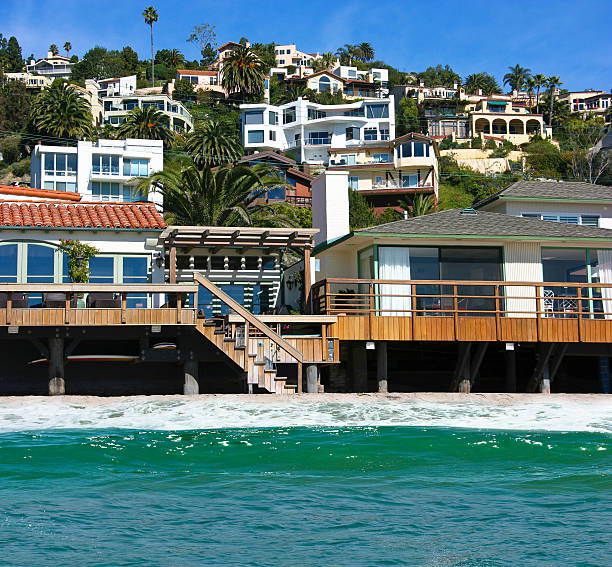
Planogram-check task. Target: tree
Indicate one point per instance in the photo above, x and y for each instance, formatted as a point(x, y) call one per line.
point(10, 148)
point(365, 52)
point(530, 84)
point(266, 52)
point(539, 81)
point(99, 63)
point(67, 48)
point(544, 159)
point(407, 118)
point(213, 144)
point(59, 111)
point(243, 73)
point(224, 196)
point(15, 101)
point(517, 77)
point(552, 83)
point(204, 35)
point(346, 54)
point(418, 206)
point(579, 146)
point(13, 56)
point(129, 59)
point(175, 58)
point(439, 76)
point(150, 17)
point(183, 90)
point(146, 123)
point(483, 81)
point(53, 49)
point(328, 60)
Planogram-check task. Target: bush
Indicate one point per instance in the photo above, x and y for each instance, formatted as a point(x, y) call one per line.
point(476, 143)
point(491, 145)
point(21, 168)
point(10, 150)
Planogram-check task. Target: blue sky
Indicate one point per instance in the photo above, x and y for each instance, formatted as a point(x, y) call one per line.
point(571, 39)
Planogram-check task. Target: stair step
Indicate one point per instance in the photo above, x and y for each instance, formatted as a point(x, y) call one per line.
point(280, 378)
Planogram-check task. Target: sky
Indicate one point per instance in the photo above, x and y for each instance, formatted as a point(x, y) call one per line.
point(570, 39)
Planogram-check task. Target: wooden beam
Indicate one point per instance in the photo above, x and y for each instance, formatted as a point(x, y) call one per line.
point(307, 280)
point(172, 263)
point(382, 367)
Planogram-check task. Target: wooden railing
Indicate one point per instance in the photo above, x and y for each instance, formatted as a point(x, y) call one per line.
point(469, 310)
point(96, 304)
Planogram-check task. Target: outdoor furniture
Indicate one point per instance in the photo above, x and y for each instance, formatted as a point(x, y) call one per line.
point(57, 299)
point(549, 303)
point(19, 300)
point(103, 300)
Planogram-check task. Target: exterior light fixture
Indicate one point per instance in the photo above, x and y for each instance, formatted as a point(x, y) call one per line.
point(159, 260)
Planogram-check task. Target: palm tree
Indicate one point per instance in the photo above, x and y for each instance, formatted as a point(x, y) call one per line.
point(540, 81)
point(213, 144)
point(225, 196)
point(346, 54)
point(60, 111)
point(146, 123)
point(150, 17)
point(365, 51)
point(243, 73)
point(67, 48)
point(531, 85)
point(53, 49)
point(418, 206)
point(517, 77)
point(552, 83)
point(175, 58)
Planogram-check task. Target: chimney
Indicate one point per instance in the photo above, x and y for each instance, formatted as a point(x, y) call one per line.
point(49, 54)
point(330, 206)
point(455, 85)
point(421, 83)
point(479, 92)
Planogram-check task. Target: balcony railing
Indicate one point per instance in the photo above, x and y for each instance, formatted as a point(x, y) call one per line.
point(298, 201)
point(318, 141)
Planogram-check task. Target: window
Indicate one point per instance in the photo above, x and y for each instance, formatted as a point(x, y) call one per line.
point(410, 180)
point(406, 150)
point(348, 159)
point(324, 84)
point(60, 164)
point(281, 61)
point(378, 180)
point(101, 269)
point(315, 114)
point(106, 165)
point(384, 133)
point(377, 110)
point(355, 112)
point(103, 191)
point(585, 220)
point(135, 271)
point(69, 186)
point(272, 135)
point(369, 134)
point(318, 138)
point(159, 104)
point(255, 136)
point(380, 158)
point(254, 117)
point(589, 220)
point(214, 80)
point(352, 74)
point(353, 182)
point(276, 194)
point(419, 149)
point(289, 115)
point(130, 104)
point(352, 133)
point(8, 263)
point(136, 167)
point(272, 118)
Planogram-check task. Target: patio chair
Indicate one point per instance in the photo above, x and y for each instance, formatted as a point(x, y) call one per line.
point(19, 301)
point(57, 299)
point(103, 300)
point(549, 303)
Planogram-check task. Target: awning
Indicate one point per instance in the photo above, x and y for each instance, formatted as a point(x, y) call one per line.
point(497, 103)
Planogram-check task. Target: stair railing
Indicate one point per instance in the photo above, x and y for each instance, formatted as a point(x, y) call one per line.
point(254, 321)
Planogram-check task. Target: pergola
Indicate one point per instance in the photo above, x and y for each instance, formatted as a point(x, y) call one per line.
point(217, 238)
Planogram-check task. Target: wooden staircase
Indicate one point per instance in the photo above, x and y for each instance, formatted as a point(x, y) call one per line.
point(251, 345)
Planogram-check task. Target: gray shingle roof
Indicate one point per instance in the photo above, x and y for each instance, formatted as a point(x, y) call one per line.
point(575, 190)
point(483, 223)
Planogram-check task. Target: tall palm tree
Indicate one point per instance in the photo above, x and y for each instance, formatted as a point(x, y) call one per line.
point(67, 48)
point(552, 83)
point(225, 196)
point(175, 58)
point(346, 54)
point(146, 123)
point(517, 77)
point(213, 144)
point(540, 81)
point(530, 84)
point(53, 49)
point(328, 60)
point(418, 206)
point(60, 111)
point(365, 51)
point(150, 16)
point(243, 73)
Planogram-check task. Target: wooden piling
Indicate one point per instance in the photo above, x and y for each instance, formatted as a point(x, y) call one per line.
point(191, 385)
point(312, 379)
point(57, 385)
point(382, 366)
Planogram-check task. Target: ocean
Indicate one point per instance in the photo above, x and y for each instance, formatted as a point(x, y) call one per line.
point(216, 481)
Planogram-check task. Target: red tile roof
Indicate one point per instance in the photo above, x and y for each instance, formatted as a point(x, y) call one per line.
point(80, 215)
point(197, 72)
point(42, 193)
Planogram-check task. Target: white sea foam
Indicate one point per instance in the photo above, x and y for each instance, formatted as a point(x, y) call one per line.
point(211, 412)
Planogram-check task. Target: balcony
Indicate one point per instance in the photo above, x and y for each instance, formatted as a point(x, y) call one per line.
point(318, 141)
point(298, 200)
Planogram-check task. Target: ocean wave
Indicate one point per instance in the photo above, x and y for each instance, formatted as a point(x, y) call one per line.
point(168, 413)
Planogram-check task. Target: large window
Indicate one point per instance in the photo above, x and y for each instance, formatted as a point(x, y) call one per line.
point(254, 117)
point(315, 114)
point(60, 164)
point(413, 149)
point(136, 167)
point(40, 268)
point(289, 115)
point(380, 158)
point(8, 263)
point(69, 186)
point(352, 133)
point(102, 269)
point(103, 191)
point(370, 134)
point(324, 84)
point(585, 220)
point(273, 118)
point(318, 138)
point(409, 180)
point(135, 271)
point(377, 110)
point(106, 165)
point(255, 136)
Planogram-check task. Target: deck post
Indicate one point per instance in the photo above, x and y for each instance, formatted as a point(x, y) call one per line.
point(307, 280)
point(359, 367)
point(57, 385)
point(545, 380)
point(510, 362)
point(381, 366)
point(312, 379)
point(191, 385)
point(462, 381)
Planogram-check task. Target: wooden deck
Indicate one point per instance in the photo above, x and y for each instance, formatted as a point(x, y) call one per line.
point(466, 311)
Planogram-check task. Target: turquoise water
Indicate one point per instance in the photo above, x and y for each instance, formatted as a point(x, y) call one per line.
point(302, 496)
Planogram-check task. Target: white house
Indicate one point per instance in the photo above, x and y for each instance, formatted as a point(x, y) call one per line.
point(374, 75)
point(52, 66)
point(31, 80)
point(570, 202)
point(116, 87)
point(312, 129)
point(286, 55)
point(98, 171)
